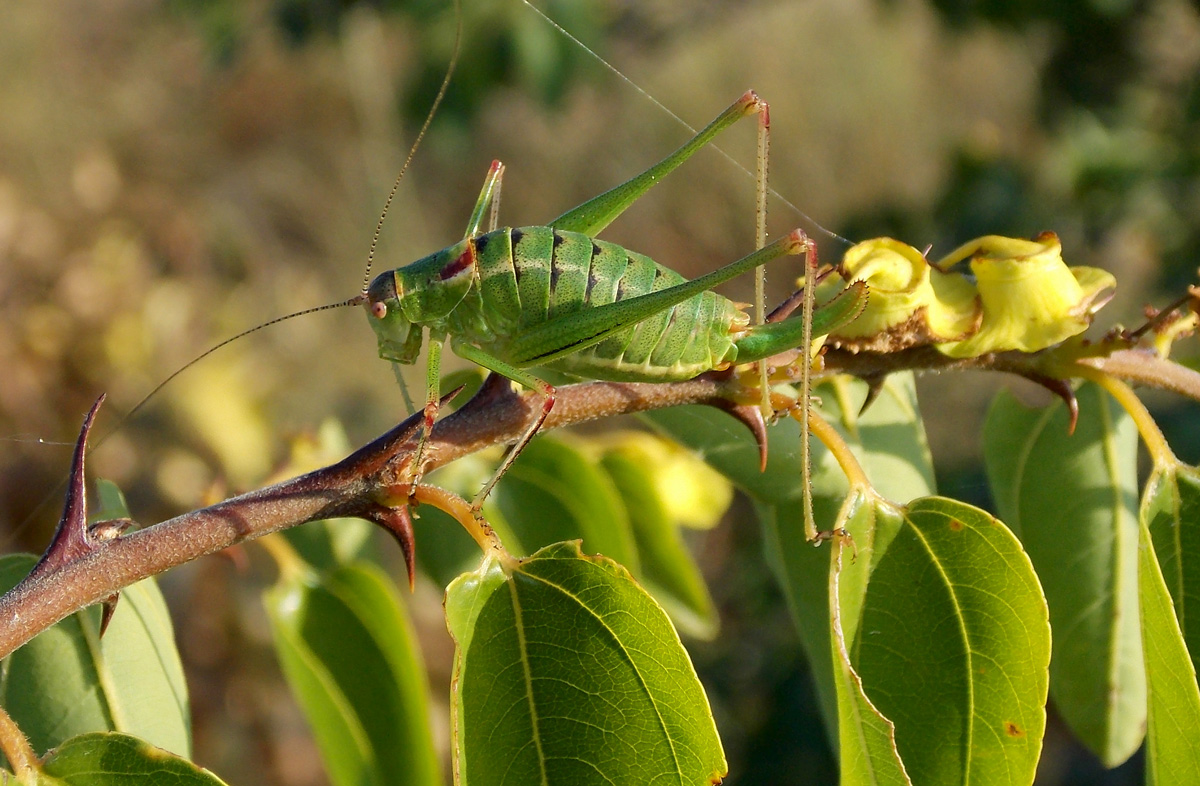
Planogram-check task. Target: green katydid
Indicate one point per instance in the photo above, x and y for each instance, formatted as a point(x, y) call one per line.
point(554, 296)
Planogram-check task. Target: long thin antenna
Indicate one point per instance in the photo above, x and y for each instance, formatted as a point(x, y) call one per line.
point(412, 151)
point(687, 126)
point(354, 301)
point(357, 300)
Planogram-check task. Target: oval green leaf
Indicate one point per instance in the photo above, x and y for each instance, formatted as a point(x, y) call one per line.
point(68, 680)
point(567, 672)
point(1171, 511)
point(108, 759)
point(1072, 499)
point(953, 646)
point(888, 438)
point(351, 657)
point(866, 739)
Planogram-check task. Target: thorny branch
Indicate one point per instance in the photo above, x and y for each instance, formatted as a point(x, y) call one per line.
point(83, 566)
point(86, 565)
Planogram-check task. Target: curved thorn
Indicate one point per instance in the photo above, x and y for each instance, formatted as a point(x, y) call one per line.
point(874, 388)
point(398, 523)
point(750, 415)
point(108, 607)
point(1062, 389)
point(71, 539)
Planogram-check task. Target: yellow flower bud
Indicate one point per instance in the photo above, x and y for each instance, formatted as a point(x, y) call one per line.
point(692, 493)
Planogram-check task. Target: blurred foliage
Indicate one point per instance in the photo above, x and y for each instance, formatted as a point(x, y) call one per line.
point(505, 45)
point(1094, 49)
point(170, 175)
point(1118, 108)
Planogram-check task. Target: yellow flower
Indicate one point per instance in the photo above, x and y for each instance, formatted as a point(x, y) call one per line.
point(692, 493)
point(1031, 299)
point(910, 303)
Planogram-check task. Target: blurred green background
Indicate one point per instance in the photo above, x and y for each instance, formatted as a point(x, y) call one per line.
point(173, 173)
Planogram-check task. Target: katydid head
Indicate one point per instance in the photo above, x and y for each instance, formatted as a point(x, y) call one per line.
point(399, 302)
point(398, 341)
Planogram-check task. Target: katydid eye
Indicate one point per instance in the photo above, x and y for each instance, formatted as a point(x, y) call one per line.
point(379, 309)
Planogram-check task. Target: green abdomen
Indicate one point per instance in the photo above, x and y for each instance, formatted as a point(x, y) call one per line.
point(531, 274)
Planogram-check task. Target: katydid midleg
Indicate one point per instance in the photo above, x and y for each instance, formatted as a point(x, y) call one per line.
point(556, 297)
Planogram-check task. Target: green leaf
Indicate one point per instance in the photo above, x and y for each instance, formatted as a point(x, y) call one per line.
point(567, 672)
point(349, 652)
point(954, 644)
point(1172, 747)
point(889, 438)
point(1072, 499)
point(1171, 511)
point(107, 759)
point(867, 740)
point(68, 680)
point(554, 493)
point(668, 569)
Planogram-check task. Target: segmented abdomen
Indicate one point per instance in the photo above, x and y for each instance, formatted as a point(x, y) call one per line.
point(530, 275)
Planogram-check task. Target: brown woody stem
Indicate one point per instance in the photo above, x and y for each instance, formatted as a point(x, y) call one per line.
point(358, 485)
point(354, 487)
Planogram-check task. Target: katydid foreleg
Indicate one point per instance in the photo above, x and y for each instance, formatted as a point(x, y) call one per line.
point(489, 197)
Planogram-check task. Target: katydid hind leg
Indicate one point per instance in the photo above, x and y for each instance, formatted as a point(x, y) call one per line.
point(810, 297)
point(760, 277)
point(594, 215)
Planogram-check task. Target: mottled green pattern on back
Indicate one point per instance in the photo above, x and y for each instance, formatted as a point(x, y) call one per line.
point(497, 281)
point(532, 257)
point(578, 272)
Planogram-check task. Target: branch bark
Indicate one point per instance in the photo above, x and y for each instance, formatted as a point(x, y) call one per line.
point(358, 486)
point(366, 482)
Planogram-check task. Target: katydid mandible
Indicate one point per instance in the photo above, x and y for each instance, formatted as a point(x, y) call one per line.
point(556, 297)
